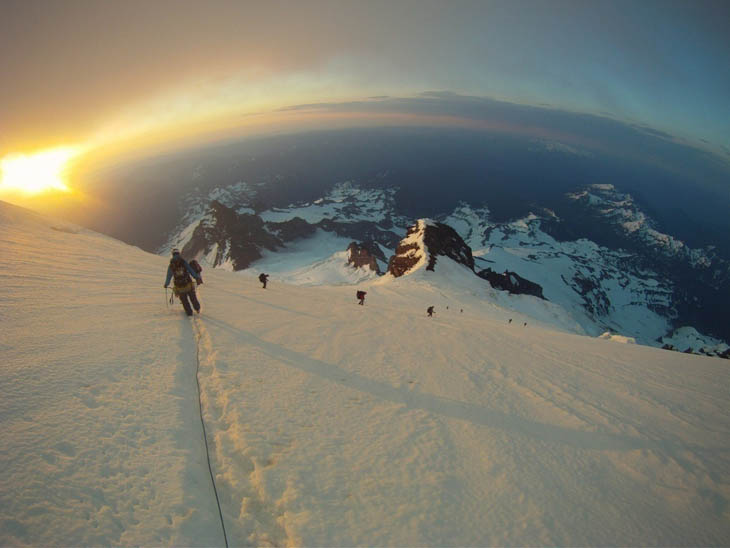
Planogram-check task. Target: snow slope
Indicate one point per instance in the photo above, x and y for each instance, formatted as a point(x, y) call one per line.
point(100, 440)
point(320, 259)
point(334, 424)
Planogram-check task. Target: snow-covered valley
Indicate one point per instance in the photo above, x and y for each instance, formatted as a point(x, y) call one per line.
point(329, 423)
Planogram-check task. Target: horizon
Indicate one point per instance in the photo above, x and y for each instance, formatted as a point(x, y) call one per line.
point(110, 81)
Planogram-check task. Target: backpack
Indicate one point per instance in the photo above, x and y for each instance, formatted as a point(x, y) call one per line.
point(196, 266)
point(361, 294)
point(262, 277)
point(180, 273)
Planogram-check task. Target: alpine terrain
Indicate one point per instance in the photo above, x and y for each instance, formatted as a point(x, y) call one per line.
point(595, 254)
point(291, 416)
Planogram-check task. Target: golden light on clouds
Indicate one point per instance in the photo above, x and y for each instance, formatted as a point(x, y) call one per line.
point(36, 173)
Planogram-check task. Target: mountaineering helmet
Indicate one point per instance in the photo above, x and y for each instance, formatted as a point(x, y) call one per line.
point(176, 251)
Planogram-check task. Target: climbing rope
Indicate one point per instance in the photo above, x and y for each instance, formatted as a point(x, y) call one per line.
point(205, 436)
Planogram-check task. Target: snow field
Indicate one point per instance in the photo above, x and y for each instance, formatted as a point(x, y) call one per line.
point(99, 437)
point(335, 424)
point(410, 435)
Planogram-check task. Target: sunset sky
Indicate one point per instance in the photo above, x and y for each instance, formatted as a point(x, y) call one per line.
point(109, 75)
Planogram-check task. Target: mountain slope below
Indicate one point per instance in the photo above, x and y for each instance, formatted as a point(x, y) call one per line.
point(331, 423)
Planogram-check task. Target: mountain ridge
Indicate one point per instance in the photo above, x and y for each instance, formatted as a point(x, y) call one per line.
point(606, 288)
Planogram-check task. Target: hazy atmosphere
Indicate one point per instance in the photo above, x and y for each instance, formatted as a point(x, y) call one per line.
point(92, 74)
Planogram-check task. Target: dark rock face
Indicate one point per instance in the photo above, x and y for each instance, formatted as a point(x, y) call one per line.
point(438, 238)
point(241, 236)
point(363, 255)
point(441, 239)
point(595, 299)
point(401, 262)
point(702, 351)
point(291, 230)
point(512, 282)
point(407, 255)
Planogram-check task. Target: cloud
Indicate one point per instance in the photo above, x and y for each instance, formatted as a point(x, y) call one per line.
point(595, 133)
point(71, 69)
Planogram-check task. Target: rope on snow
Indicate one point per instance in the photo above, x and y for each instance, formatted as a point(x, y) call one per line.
point(205, 436)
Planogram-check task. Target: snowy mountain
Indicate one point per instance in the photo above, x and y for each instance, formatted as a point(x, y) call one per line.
point(600, 287)
point(309, 420)
point(698, 279)
point(626, 217)
point(628, 278)
point(232, 237)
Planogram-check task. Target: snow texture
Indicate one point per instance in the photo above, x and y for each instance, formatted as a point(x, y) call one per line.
point(333, 424)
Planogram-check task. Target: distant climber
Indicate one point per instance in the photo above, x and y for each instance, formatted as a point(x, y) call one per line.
point(509, 321)
point(183, 286)
point(462, 310)
point(429, 311)
point(263, 278)
point(361, 296)
point(524, 324)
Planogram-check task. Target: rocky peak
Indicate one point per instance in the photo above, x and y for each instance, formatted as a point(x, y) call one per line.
point(424, 242)
point(441, 239)
point(363, 255)
point(410, 253)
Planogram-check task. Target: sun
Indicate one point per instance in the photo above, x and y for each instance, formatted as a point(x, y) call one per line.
point(36, 173)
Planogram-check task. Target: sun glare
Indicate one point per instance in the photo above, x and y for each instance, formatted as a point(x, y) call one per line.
point(35, 173)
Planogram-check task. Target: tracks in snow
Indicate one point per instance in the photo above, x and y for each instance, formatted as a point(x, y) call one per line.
point(197, 330)
point(251, 515)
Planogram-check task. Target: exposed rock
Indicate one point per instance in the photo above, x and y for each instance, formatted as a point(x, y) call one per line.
point(363, 231)
point(292, 229)
point(403, 260)
point(595, 298)
point(441, 239)
point(425, 242)
point(512, 282)
point(409, 252)
point(363, 255)
point(235, 237)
